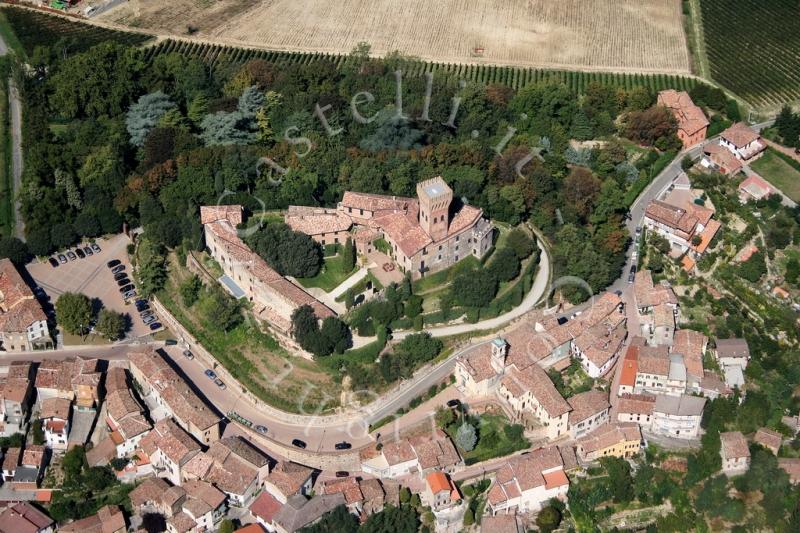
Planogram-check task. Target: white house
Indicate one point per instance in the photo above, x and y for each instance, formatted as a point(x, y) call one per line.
point(168, 448)
point(589, 411)
point(55, 423)
point(677, 416)
point(525, 483)
point(734, 452)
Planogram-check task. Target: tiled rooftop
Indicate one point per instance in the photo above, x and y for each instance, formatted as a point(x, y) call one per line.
point(734, 444)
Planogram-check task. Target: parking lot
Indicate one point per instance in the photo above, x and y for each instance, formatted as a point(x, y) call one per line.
point(91, 276)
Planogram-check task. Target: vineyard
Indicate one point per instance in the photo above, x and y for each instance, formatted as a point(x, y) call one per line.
point(34, 29)
point(753, 47)
point(609, 35)
point(215, 55)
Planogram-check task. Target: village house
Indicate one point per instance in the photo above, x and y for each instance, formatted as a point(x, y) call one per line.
point(769, 439)
point(54, 415)
point(657, 309)
point(525, 483)
point(109, 519)
point(422, 234)
point(363, 497)
point(420, 454)
point(502, 523)
point(233, 466)
point(23, 517)
point(652, 370)
point(630, 367)
point(168, 448)
point(597, 347)
point(27, 465)
point(636, 408)
point(754, 188)
point(610, 440)
point(77, 380)
point(440, 492)
point(692, 122)
point(124, 416)
point(690, 345)
point(738, 145)
point(734, 452)
point(247, 275)
point(790, 465)
point(732, 356)
point(589, 411)
point(23, 324)
point(299, 511)
point(689, 228)
point(15, 392)
point(169, 390)
point(677, 416)
point(196, 506)
point(288, 479)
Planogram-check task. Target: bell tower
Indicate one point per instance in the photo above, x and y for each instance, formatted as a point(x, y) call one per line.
point(435, 198)
point(499, 353)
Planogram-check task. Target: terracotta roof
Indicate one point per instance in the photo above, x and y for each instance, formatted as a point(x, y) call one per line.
point(609, 435)
point(107, 520)
point(316, 220)
point(265, 507)
point(299, 512)
point(653, 363)
point(434, 450)
point(18, 307)
point(181, 522)
point(55, 408)
point(289, 477)
point(438, 482)
point(690, 117)
point(33, 455)
point(148, 491)
point(601, 343)
point(502, 523)
point(466, 217)
point(102, 452)
point(377, 202)
point(792, 467)
point(722, 157)
point(348, 486)
point(116, 379)
point(636, 404)
point(23, 518)
point(405, 231)
point(479, 363)
point(630, 365)
point(769, 438)
point(706, 236)
point(15, 386)
point(66, 375)
point(398, 452)
point(739, 135)
point(213, 213)
point(732, 348)
point(204, 492)
point(178, 396)
point(586, 405)
point(671, 216)
point(526, 472)
point(648, 294)
point(691, 345)
point(756, 187)
point(172, 440)
point(734, 444)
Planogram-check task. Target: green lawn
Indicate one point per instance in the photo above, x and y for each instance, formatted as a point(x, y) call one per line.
point(330, 276)
point(779, 173)
point(492, 440)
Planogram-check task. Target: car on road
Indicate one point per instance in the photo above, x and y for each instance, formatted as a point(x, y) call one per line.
point(638, 230)
point(80, 253)
point(188, 354)
point(155, 326)
point(455, 402)
point(210, 373)
point(261, 429)
point(96, 248)
point(88, 250)
point(343, 445)
point(113, 263)
point(62, 258)
point(220, 384)
point(117, 269)
point(53, 262)
point(71, 255)
point(126, 288)
point(342, 473)
point(299, 444)
point(632, 274)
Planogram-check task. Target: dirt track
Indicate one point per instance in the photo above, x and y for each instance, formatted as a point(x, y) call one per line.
point(619, 35)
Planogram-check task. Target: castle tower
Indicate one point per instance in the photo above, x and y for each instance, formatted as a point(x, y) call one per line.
point(499, 353)
point(434, 207)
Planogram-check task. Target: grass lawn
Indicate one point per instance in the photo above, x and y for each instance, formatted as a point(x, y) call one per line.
point(91, 339)
point(779, 173)
point(330, 276)
point(492, 440)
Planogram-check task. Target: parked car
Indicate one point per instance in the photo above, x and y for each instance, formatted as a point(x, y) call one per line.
point(146, 313)
point(88, 250)
point(130, 294)
point(62, 258)
point(149, 319)
point(170, 342)
point(71, 255)
point(211, 374)
point(562, 320)
point(80, 253)
point(96, 248)
point(53, 262)
point(117, 269)
point(343, 445)
point(220, 384)
point(188, 355)
point(123, 282)
point(342, 473)
point(298, 443)
point(632, 274)
point(120, 275)
point(261, 429)
point(142, 305)
point(155, 326)
point(126, 288)
point(142, 308)
point(455, 402)
point(113, 263)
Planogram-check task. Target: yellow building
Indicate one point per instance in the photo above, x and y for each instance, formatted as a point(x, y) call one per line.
point(610, 440)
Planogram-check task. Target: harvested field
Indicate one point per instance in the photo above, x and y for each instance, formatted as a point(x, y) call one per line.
point(619, 35)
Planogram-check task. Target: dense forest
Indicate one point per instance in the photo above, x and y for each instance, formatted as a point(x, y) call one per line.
point(112, 136)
